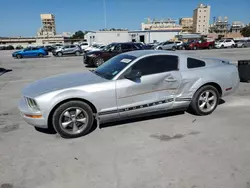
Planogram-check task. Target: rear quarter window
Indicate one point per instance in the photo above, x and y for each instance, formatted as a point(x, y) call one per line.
point(195, 63)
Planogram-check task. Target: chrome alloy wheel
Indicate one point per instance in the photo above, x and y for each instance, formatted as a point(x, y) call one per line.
point(73, 120)
point(207, 101)
point(99, 62)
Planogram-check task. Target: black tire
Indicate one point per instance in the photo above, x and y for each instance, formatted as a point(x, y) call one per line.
point(222, 46)
point(160, 48)
point(19, 56)
point(195, 48)
point(77, 53)
point(58, 115)
point(40, 55)
point(232, 46)
point(98, 61)
point(210, 47)
point(194, 105)
point(59, 54)
point(173, 48)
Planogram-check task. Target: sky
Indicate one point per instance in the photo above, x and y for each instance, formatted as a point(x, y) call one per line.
point(22, 18)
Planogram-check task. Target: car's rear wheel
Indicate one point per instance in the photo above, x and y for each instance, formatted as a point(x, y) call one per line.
point(160, 48)
point(40, 55)
point(77, 53)
point(98, 61)
point(205, 100)
point(19, 56)
point(73, 119)
point(59, 54)
point(222, 46)
point(195, 48)
point(173, 48)
point(232, 46)
point(210, 47)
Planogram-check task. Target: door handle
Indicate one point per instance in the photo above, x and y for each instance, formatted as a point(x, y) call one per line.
point(170, 79)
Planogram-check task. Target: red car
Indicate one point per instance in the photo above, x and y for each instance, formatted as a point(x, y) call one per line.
point(200, 45)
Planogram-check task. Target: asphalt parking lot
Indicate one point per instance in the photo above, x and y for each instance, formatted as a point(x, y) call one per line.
point(177, 150)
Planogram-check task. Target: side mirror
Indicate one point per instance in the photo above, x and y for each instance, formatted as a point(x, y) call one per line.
point(133, 75)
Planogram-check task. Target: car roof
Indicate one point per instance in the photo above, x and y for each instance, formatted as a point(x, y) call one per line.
point(140, 53)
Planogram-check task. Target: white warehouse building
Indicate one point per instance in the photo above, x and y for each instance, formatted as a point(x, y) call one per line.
point(147, 36)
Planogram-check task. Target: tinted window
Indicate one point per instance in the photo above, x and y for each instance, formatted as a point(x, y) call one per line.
point(126, 46)
point(194, 63)
point(72, 46)
point(35, 49)
point(228, 40)
point(66, 46)
point(156, 64)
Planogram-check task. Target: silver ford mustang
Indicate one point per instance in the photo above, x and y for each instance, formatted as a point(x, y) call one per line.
point(130, 84)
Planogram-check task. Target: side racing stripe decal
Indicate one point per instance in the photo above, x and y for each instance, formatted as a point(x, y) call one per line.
point(143, 106)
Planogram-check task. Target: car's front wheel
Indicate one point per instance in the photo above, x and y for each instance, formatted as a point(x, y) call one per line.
point(59, 54)
point(73, 119)
point(98, 61)
point(205, 100)
point(19, 56)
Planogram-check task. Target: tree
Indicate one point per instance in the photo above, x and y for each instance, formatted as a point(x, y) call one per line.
point(78, 35)
point(246, 31)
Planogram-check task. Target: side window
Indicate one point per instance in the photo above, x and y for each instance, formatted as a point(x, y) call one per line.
point(156, 64)
point(72, 46)
point(126, 46)
point(195, 63)
point(118, 48)
point(228, 40)
point(66, 47)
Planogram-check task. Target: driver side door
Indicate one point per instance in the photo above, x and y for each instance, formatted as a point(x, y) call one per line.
point(66, 50)
point(153, 91)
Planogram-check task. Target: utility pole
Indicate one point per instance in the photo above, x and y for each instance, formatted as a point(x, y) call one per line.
point(105, 17)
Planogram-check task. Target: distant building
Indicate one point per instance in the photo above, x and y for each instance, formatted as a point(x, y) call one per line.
point(146, 36)
point(106, 37)
point(166, 25)
point(48, 25)
point(201, 18)
point(220, 26)
point(237, 26)
point(186, 24)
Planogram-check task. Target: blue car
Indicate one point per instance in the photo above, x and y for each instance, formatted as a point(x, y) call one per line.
point(30, 52)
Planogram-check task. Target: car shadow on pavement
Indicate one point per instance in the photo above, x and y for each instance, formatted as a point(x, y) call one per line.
point(142, 118)
point(3, 70)
point(221, 101)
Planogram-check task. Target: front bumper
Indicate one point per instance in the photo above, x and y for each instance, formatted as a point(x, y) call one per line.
point(87, 60)
point(26, 113)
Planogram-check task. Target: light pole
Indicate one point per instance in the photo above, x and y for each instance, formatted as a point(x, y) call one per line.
point(105, 17)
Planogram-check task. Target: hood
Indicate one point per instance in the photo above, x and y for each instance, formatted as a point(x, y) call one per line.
point(96, 52)
point(59, 82)
point(17, 51)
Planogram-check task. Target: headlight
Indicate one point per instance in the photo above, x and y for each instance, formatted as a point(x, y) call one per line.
point(32, 103)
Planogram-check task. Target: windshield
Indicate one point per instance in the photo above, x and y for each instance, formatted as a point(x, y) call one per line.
point(114, 65)
point(221, 41)
point(109, 47)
